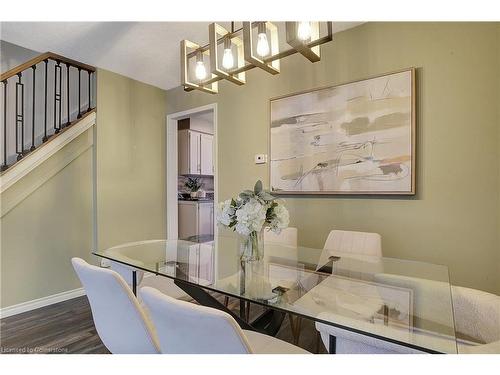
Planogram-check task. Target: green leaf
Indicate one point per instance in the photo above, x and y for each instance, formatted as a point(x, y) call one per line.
point(266, 196)
point(246, 194)
point(258, 187)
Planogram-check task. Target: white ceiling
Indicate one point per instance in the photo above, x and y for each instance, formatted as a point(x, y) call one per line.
point(146, 51)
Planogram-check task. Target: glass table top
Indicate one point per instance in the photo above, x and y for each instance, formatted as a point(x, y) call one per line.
point(398, 300)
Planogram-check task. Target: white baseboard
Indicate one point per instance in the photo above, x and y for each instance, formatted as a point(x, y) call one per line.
point(40, 302)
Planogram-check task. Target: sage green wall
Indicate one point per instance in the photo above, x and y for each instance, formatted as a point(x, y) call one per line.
point(498, 116)
point(41, 232)
point(454, 219)
point(130, 160)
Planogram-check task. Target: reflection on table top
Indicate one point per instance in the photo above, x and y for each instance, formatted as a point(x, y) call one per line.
point(395, 299)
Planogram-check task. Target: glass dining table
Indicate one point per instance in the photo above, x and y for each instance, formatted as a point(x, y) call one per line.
point(403, 302)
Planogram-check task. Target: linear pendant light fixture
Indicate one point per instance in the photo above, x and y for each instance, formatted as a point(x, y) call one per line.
point(231, 53)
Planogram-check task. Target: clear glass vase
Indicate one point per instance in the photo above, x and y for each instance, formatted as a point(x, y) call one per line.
point(252, 246)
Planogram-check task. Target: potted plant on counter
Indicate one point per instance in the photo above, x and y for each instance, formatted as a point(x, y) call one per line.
point(193, 185)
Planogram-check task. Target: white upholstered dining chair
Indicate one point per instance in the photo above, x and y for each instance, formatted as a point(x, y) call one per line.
point(348, 342)
point(429, 298)
point(162, 283)
point(476, 316)
point(287, 237)
point(476, 313)
point(477, 320)
point(361, 243)
point(120, 321)
point(186, 328)
point(345, 242)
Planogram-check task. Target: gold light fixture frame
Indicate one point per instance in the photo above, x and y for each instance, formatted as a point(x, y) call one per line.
point(215, 31)
point(269, 64)
point(211, 87)
point(310, 49)
point(313, 54)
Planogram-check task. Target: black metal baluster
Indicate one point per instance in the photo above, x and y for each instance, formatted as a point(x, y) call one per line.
point(67, 94)
point(79, 92)
point(44, 139)
point(33, 112)
point(90, 101)
point(19, 116)
point(57, 96)
point(4, 165)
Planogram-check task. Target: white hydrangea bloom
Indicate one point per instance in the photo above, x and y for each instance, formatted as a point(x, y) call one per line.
point(242, 229)
point(225, 213)
point(250, 217)
point(281, 219)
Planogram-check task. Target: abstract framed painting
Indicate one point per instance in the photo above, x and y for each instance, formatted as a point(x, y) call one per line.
point(354, 138)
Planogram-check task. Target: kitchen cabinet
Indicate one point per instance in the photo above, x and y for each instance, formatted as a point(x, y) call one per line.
point(201, 264)
point(196, 218)
point(195, 151)
point(206, 154)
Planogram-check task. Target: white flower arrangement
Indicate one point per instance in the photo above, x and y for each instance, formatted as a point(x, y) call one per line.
point(251, 211)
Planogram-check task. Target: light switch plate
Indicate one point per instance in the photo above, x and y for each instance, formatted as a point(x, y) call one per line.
point(260, 158)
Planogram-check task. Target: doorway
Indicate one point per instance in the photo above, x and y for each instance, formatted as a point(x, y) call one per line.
point(190, 161)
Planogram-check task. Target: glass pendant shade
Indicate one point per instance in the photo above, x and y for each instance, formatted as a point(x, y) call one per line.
point(262, 45)
point(200, 70)
point(262, 42)
point(227, 58)
point(304, 30)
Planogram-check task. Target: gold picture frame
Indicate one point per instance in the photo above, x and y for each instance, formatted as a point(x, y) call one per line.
point(402, 171)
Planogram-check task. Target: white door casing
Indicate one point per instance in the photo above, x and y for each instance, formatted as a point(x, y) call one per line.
point(171, 157)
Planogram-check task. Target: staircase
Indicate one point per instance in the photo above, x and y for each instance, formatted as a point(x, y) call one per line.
point(41, 100)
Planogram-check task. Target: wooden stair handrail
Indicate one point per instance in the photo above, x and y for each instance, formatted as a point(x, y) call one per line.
point(42, 57)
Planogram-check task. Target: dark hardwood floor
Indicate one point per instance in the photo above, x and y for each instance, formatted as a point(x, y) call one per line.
point(67, 327)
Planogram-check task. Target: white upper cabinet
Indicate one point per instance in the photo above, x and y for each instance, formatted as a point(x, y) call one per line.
point(206, 154)
point(195, 153)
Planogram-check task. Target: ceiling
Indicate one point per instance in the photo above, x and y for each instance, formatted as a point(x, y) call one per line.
point(146, 51)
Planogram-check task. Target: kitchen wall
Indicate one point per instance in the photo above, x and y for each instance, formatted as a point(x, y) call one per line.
point(454, 218)
point(202, 122)
point(130, 160)
point(207, 183)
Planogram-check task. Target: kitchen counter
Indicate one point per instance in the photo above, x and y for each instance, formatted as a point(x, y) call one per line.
point(200, 238)
point(195, 200)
